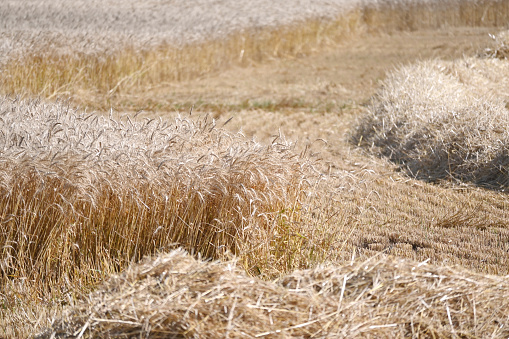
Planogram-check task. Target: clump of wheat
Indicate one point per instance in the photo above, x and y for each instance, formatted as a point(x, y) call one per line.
point(178, 296)
point(83, 194)
point(500, 48)
point(444, 119)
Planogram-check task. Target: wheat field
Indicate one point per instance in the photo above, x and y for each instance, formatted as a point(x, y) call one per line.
point(230, 169)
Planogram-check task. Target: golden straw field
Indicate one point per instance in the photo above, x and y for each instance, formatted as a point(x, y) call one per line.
point(222, 169)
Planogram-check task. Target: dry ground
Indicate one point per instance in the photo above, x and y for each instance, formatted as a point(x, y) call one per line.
point(332, 79)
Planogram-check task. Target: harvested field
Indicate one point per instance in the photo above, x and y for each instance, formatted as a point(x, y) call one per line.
point(258, 139)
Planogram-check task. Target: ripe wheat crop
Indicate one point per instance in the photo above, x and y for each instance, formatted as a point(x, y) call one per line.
point(500, 48)
point(82, 195)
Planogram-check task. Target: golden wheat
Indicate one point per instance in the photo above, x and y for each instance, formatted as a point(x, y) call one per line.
point(82, 194)
point(500, 48)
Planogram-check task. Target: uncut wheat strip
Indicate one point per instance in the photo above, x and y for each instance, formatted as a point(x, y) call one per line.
point(121, 62)
point(104, 143)
point(22, 34)
point(105, 26)
point(116, 189)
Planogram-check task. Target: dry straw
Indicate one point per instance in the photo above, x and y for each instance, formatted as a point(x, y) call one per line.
point(444, 119)
point(176, 296)
point(81, 195)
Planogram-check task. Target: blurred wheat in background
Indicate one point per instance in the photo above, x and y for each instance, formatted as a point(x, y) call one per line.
point(94, 54)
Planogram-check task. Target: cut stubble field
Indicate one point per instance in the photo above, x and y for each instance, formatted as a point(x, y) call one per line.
point(320, 223)
point(385, 209)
